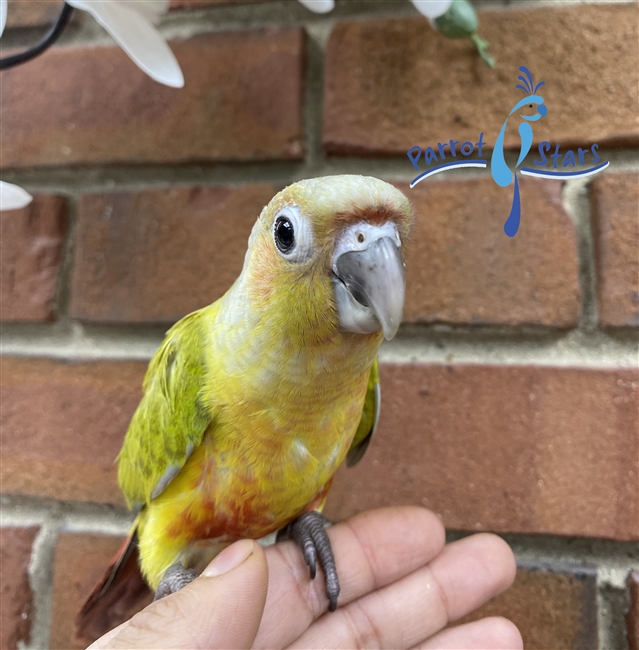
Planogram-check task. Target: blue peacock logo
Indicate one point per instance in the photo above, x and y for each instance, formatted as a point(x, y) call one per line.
point(530, 109)
point(447, 156)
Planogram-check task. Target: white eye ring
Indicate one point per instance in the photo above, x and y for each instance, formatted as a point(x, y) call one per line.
point(302, 247)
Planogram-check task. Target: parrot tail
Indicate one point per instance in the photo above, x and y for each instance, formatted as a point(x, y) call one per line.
point(120, 589)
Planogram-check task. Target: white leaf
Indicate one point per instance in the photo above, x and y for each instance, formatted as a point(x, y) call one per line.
point(152, 10)
point(432, 8)
point(319, 6)
point(3, 15)
point(85, 5)
point(13, 197)
point(138, 38)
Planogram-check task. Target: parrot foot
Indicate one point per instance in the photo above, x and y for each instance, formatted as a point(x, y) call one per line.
point(309, 533)
point(175, 578)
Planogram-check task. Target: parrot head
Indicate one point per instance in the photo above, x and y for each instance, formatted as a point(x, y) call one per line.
point(327, 255)
point(532, 108)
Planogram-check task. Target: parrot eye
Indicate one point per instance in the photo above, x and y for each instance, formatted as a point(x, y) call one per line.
point(293, 235)
point(284, 234)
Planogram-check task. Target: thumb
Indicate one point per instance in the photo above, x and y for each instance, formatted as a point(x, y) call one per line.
point(220, 609)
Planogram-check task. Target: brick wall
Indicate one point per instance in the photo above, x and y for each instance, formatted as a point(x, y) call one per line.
point(510, 393)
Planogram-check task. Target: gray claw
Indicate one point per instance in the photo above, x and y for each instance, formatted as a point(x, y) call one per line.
point(175, 578)
point(310, 535)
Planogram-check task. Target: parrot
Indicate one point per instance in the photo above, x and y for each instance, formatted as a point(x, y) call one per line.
point(498, 168)
point(251, 404)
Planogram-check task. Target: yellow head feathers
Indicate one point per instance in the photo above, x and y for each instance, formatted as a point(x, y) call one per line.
point(308, 244)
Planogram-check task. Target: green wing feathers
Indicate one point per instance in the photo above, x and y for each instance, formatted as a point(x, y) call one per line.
point(170, 420)
point(370, 417)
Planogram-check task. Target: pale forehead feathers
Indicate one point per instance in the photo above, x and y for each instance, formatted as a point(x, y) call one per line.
point(339, 195)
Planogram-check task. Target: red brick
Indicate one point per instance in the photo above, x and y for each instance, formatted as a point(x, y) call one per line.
point(80, 560)
point(516, 449)
point(17, 597)
point(632, 617)
point(392, 84)
point(63, 424)
point(554, 608)
point(242, 101)
point(157, 255)
point(615, 203)
point(130, 264)
point(31, 250)
point(462, 269)
point(32, 13)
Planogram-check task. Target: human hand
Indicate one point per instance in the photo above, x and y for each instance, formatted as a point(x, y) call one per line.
point(400, 587)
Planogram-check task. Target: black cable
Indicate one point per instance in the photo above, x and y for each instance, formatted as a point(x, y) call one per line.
point(51, 37)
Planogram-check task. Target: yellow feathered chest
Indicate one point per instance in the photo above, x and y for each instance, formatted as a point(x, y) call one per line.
point(278, 425)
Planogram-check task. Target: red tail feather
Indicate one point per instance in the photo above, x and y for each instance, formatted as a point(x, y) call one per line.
point(120, 592)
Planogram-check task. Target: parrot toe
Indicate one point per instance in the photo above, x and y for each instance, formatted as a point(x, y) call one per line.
point(309, 533)
point(175, 578)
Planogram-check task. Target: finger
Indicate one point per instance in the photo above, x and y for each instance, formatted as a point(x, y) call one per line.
point(464, 576)
point(220, 609)
point(495, 633)
point(472, 571)
point(371, 550)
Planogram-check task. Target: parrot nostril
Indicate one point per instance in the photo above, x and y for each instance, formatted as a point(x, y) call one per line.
point(360, 238)
point(360, 297)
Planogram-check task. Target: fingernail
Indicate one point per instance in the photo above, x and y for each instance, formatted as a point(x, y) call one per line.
point(230, 558)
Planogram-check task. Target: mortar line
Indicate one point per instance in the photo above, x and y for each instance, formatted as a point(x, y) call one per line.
point(76, 516)
point(611, 568)
point(41, 569)
point(608, 554)
point(490, 346)
point(576, 201)
point(611, 606)
point(26, 510)
point(315, 47)
point(63, 287)
point(605, 555)
point(109, 178)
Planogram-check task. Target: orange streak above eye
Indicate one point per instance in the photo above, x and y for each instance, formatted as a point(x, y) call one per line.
point(375, 215)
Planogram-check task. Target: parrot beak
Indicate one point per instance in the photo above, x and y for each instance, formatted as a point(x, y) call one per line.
point(370, 282)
